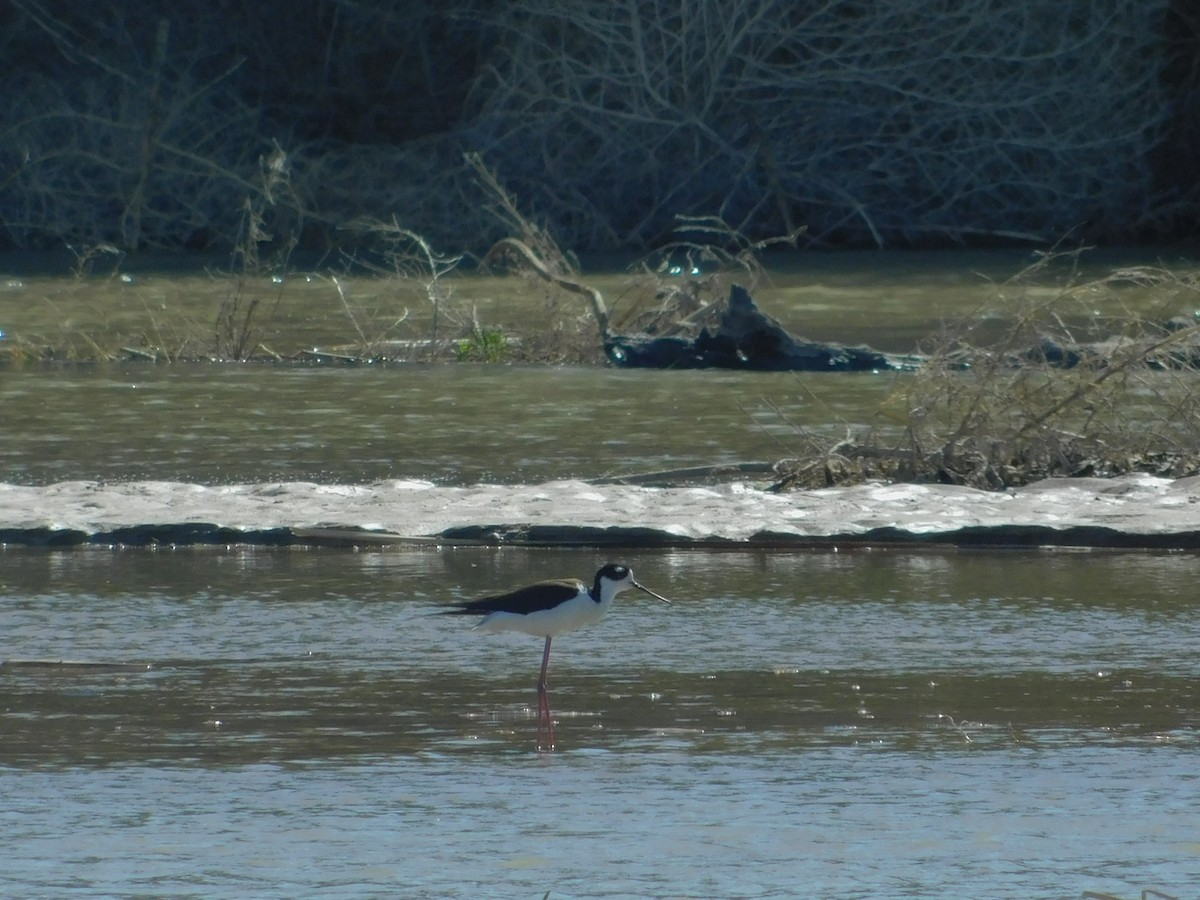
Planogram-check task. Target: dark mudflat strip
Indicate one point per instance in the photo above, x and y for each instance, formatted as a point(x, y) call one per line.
point(979, 536)
point(182, 535)
point(72, 665)
point(997, 536)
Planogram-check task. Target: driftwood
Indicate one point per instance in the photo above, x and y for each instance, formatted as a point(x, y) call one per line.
point(567, 283)
point(747, 338)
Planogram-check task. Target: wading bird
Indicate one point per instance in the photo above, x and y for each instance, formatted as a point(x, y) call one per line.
point(548, 609)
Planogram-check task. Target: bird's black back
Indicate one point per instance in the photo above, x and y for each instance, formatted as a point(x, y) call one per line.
point(522, 601)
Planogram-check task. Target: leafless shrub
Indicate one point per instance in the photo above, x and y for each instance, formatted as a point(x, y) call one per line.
point(143, 152)
point(87, 256)
point(243, 313)
point(239, 325)
point(889, 122)
point(412, 269)
point(1085, 378)
point(533, 251)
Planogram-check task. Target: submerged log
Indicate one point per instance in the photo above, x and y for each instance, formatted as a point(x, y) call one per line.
point(747, 338)
point(1176, 347)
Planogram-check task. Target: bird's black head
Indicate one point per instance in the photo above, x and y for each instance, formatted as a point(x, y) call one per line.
point(613, 572)
point(619, 578)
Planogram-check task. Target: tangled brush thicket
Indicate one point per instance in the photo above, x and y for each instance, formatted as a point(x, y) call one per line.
point(991, 408)
point(894, 123)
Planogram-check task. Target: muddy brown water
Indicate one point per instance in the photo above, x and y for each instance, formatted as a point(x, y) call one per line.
point(840, 724)
point(298, 722)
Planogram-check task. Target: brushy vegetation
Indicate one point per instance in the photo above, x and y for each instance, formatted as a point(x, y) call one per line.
point(416, 295)
point(896, 123)
point(889, 123)
point(1038, 384)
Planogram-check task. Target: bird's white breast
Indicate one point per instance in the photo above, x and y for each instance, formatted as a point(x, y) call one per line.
point(577, 612)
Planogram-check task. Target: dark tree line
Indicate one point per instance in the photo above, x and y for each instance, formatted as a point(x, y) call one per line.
point(173, 123)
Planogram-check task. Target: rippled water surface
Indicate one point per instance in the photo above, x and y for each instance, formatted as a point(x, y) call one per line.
point(821, 724)
point(298, 722)
point(453, 425)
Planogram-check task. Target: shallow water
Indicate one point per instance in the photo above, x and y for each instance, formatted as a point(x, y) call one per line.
point(291, 723)
point(842, 822)
point(853, 725)
point(452, 425)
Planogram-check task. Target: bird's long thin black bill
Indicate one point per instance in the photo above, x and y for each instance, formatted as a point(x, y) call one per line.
point(642, 587)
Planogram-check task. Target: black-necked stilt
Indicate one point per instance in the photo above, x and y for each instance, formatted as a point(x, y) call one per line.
point(548, 609)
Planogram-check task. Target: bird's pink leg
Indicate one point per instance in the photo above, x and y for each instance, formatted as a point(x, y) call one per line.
point(544, 704)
